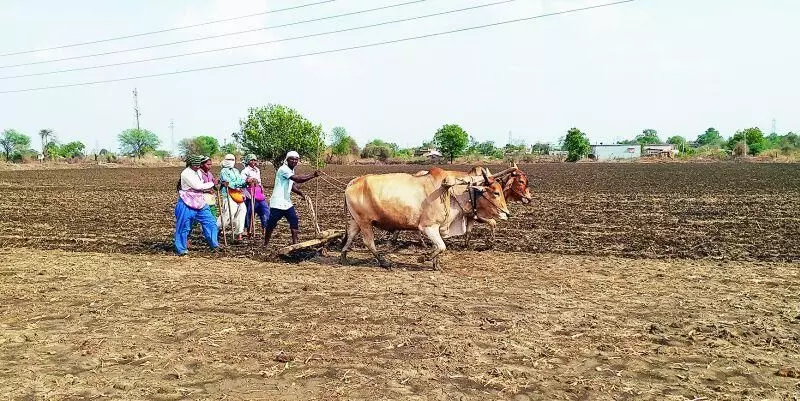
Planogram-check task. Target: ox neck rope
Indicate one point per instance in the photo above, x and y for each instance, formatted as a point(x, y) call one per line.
point(473, 200)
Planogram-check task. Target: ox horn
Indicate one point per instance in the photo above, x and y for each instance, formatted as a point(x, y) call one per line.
point(485, 174)
point(505, 172)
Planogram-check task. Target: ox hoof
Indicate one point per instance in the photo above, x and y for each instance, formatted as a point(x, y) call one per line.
point(343, 259)
point(382, 262)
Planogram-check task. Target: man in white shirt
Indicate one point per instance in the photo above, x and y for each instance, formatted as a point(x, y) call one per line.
point(281, 201)
point(192, 207)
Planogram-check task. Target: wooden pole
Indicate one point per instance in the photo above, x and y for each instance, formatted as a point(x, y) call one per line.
point(221, 219)
point(230, 215)
point(252, 228)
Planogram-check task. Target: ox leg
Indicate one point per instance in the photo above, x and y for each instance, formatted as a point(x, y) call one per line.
point(433, 234)
point(352, 231)
point(369, 240)
point(492, 230)
point(470, 223)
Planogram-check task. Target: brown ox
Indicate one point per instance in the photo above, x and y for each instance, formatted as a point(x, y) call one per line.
point(430, 203)
point(515, 189)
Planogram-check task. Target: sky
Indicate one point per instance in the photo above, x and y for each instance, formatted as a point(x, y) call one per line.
point(676, 66)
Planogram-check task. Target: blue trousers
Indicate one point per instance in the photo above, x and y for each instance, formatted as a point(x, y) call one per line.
point(262, 212)
point(185, 218)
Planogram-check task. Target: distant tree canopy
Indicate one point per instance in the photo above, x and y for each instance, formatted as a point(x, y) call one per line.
point(72, 150)
point(199, 145)
point(752, 137)
point(680, 143)
point(137, 142)
point(576, 144)
point(14, 144)
point(541, 148)
point(46, 136)
point(343, 144)
point(272, 131)
point(229, 148)
point(378, 149)
point(711, 137)
point(451, 140)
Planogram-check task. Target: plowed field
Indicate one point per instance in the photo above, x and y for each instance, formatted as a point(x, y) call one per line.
point(739, 211)
point(628, 281)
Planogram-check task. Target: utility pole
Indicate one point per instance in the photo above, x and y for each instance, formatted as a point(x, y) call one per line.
point(172, 135)
point(136, 106)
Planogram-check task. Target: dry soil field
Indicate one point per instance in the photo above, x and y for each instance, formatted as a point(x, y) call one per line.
point(629, 281)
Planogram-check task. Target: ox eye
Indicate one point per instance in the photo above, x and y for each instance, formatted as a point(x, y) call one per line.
point(496, 193)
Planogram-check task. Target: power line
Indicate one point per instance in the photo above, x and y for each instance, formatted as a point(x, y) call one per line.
point(212, 36)
point(262, 43)
point(167, 30)
point(374, 44)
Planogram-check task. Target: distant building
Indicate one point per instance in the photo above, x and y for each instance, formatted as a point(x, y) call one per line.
point(659, 149)
point(615, 152)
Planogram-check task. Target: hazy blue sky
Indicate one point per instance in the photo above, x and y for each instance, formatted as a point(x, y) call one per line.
point(678, 66)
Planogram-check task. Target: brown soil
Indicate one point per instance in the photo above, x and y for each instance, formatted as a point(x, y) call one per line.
point(583, 297)
point(502, 325)
point(731, 211)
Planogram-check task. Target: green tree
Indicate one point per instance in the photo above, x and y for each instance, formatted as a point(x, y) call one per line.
point(576, 144)
point(680, 143)
point(343, 144)
point(486, 148)
point(541, 148)
point(753, 137)
point(230, 148)
point(199, 145)
point(72, 149)
point(378, 149)
point(51, 150)
point(451, 140)
point(14, 143)
point(137, 142)
point(46, 135)
point(272, 131)
point(711, 137)
point(648, 137)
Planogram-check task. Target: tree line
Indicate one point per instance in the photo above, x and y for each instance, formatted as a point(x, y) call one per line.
point(270, 131)
point(748, 141)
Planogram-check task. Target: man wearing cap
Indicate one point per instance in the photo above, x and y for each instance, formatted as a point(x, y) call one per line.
point(191, 207)
point(232, 183)
point(254, 192)
point(281, 201)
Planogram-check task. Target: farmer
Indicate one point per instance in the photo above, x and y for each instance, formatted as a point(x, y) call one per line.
point(254, 193)
point(231, 182)
point(192, 207)
point(207, 176)
point(281, 200)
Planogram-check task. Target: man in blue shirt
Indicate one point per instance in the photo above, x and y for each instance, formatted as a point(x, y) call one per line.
point(281, 201)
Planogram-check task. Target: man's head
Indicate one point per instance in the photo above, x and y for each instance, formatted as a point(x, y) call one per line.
point(251, 160)
point(205, 163)
point(229, 161)
point(194, 162)
point(292, 158)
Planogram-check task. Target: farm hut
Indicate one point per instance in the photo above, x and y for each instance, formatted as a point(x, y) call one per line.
point(661, 149)
point(433, 156)
point(615, 152)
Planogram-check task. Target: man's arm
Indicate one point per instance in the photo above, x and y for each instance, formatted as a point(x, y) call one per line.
point(195, 182)
point(303, 178)
point(298, 191)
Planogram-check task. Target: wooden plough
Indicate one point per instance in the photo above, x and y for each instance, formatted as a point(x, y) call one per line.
point(322, 237)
